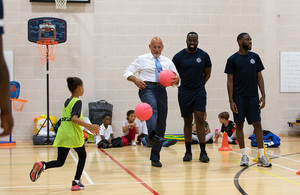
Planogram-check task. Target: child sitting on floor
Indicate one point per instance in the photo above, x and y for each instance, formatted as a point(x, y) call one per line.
point(228, 127)
point(208, 134)
point(129, 128)
point(107, 136)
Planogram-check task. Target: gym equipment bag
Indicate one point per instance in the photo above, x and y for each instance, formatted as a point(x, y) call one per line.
point(97, 111)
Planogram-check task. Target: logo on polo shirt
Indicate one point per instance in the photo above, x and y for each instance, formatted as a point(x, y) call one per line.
point(252, 61)
point(198, 60)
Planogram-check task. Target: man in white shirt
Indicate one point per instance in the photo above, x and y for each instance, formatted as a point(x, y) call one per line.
point(150, 91)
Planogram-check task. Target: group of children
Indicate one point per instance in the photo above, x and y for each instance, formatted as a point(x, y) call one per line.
point(130, 128)
point(228, 126)
point(70, 134)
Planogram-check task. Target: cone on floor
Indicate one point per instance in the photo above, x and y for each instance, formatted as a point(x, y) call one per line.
point(225, 145)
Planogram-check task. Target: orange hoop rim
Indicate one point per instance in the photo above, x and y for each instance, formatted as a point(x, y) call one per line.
point(18, 100)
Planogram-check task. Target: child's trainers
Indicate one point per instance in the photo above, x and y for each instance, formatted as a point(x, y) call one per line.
point(263, 162)
point(36, 171)
point(244, 161)
point(77, 186)
point(133, 143)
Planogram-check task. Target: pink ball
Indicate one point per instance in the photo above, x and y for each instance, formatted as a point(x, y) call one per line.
point(165, 77)
point(143, 111)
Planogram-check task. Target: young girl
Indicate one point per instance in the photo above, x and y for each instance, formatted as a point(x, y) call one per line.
point(69, 135)
point(129, 129)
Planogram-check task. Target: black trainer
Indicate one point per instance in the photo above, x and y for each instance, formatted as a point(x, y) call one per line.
point(170, 143)
point(188, 157)
point(203, 157)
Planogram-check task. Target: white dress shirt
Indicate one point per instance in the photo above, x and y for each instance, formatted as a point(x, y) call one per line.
point(145, 66)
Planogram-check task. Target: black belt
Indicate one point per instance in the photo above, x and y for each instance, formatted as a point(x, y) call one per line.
point(151, 83)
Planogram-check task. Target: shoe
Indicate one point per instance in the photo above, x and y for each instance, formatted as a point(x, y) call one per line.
point(244, 161)
point(210, 141)
point(188, 157)
point(203, 157)
point(156, 164)
point(263, 162)
point(234, 142)
point(156, 140)
point(77, 186)
point(36, 171)
point(133, 143)
point(170, 143)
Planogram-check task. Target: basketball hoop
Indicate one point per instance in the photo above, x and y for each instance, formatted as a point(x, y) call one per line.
point(61, 4)
point(47, 47)
point(18, 104)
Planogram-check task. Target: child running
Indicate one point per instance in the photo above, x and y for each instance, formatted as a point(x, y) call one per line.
point(69, 135)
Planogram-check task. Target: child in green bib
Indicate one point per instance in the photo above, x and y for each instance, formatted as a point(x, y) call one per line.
point(69, 135)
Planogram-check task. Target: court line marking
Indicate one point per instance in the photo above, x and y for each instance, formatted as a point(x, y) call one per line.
point(121, 183)
point(237, 176)
point(278, 156)
point(130, 173)
point(84, 172)
point(273, 164)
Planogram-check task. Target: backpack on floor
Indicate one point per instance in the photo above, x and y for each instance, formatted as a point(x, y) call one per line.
point(271, 140)
point(98, 109)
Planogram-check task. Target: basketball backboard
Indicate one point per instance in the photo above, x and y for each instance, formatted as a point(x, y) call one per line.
point(47, 28)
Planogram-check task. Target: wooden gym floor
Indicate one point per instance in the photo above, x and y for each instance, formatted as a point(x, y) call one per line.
point(127, 170)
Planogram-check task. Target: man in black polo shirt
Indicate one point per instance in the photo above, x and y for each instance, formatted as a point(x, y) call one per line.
point(243, 71)
point(194, 68)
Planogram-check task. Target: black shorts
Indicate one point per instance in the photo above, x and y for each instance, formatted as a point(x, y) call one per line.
point(191, 100)
point(247, 107)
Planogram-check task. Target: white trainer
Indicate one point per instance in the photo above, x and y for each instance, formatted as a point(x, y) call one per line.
point(244, 161)
point(133, 143)
point(263, 162)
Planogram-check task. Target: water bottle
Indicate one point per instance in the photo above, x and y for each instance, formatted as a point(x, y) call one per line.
point(216, 133)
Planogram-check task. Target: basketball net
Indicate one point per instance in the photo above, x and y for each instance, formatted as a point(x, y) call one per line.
point(18, 104)
point(61, 4)
point(47, 48)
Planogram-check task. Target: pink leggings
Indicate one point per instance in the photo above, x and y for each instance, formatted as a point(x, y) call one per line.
point(128, 138)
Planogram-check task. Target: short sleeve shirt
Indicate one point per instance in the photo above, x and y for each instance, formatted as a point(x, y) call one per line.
point(76, 110)
point(191, 68)
point(1, 18)
point(244, 69)
point(229, 129)
point(125, 124)
point(106, 132)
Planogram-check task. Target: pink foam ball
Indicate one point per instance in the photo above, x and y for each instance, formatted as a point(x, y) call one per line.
point(143, 111)
point(165, 77)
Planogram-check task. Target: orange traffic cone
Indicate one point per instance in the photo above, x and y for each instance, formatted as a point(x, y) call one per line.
point(225, 145)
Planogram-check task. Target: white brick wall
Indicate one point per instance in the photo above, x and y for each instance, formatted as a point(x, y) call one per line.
point(104, 37)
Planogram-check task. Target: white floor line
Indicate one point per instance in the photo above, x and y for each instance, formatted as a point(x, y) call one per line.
point(277, 156)
point(273, 164)
point(84, 173)
point(147, 182)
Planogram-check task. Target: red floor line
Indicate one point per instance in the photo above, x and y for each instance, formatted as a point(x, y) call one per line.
point(130, 173)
